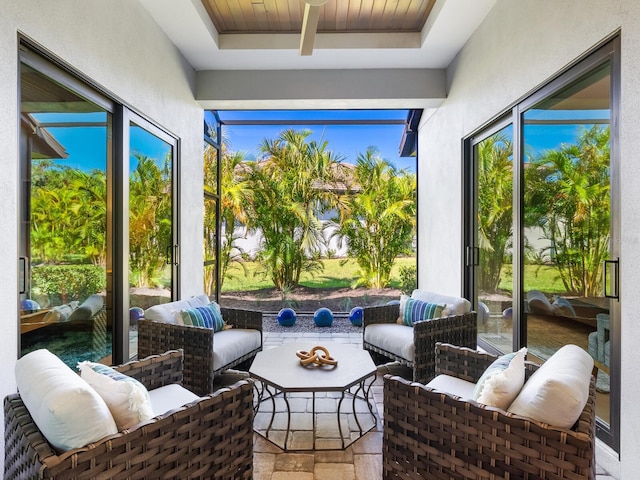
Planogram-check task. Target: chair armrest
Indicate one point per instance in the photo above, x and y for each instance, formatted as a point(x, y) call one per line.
point(380, 314)
point(196, 343)
point(155, 371)
point(240, 318)
point(459, 330)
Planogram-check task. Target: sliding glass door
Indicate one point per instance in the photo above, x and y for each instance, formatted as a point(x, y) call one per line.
point(98, 208)
point(542, 230)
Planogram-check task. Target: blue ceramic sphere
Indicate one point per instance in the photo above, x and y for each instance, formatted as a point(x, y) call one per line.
point(323, 317)
point(135, 314)
point(287, 317)
point(29, 306)
point(355, 316)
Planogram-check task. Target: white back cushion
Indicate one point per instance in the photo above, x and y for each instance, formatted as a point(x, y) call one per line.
point(558, 391)
point(455, 305)
point(68, 412)
point(164, 312)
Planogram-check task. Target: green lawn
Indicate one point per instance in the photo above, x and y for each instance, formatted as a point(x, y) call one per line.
point(340, 273)
point(536, 277)
point(337, 273)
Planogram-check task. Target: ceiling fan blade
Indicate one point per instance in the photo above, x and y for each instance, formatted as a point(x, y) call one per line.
point(309, 27)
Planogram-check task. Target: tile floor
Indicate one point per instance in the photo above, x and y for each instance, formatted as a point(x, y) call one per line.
point(360, 461)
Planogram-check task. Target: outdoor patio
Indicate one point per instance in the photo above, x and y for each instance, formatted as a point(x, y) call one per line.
point(361, 461)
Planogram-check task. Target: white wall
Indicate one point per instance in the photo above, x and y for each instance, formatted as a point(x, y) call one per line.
point(520, 45)
point(118, 45)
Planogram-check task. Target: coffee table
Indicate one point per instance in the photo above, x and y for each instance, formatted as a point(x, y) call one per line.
point(280, 375)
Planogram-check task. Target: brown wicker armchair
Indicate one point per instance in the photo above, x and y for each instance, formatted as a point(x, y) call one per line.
point(430, 434)
point(211, 438)
point(455, 329)
point(198, 344)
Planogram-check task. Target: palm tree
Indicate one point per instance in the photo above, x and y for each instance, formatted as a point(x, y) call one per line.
point(378, 222)
point(149, 220)
point(568, 197)
point(495, 207)
point(292, 188)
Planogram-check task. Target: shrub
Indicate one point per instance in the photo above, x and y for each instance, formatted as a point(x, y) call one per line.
point(64, 283)
point(408, 279)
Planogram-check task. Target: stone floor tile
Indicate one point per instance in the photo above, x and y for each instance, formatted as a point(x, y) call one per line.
point(262, 445)
point(334, 456)
point(263, 464)
point(294, 462)
point(334, 471)
point(370, 443)
point(292, 476)
point(368, 467)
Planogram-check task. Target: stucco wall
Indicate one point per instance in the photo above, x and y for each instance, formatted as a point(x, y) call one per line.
point(520, 45)
point(119, 46)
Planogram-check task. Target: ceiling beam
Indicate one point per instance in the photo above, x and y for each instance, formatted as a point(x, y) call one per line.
point(309, 28)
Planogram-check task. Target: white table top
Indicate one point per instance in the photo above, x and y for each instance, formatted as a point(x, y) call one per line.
point(281, 368)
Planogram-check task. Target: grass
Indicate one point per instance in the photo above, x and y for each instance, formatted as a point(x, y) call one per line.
point(545, 278)
point(337, 273)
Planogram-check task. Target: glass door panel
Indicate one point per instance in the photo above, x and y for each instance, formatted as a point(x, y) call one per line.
point(152, 253)
point(493, 158)
point(567, 223)
point(65, 149)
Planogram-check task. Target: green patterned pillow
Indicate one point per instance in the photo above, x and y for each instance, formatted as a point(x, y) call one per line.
point(415, 310)
point(208, 316)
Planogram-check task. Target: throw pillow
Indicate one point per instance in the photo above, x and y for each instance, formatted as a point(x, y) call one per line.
point(415, 310)
point(539, 303)
point(558, 391)
point(562, 307)
point(501, 382)
point(208, 316)
point(127, 398)
point(68, 412)
point(403, 302)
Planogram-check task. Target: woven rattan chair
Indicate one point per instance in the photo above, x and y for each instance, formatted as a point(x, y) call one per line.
point(430, 434)
point(198, 344)
point(455, 329)
point(211, 438)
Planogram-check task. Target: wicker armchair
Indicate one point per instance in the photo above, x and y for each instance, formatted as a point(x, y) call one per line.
point(210, 438)
point(198, 344)
point(455, 329)
point(430, 434)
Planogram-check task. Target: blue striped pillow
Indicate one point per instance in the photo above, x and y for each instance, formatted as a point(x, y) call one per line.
point(208, 316)
point(415, 310)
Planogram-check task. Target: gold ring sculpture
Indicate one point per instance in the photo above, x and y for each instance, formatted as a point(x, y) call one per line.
point(317, 357)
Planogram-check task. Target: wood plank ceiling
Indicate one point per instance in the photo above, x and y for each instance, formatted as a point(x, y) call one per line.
point(336, 16)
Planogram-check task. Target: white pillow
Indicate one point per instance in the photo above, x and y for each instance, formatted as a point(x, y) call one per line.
point(558, 391)
point(127, 398)
point(501, 382)
point(68, 412)
point(403, 302)
point(539, 303)
point(562, 307)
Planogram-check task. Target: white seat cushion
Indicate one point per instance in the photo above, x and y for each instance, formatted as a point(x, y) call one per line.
point(453, 385)
point(391, 337)
point(170, 397)
point(455, 305)
point(229, 345)
point(165, 312)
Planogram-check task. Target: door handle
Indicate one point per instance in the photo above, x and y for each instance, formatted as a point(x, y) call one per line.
point(612, 278)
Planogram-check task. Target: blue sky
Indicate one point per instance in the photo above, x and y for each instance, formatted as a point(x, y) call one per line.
point(87, 146)
point(347, 141)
